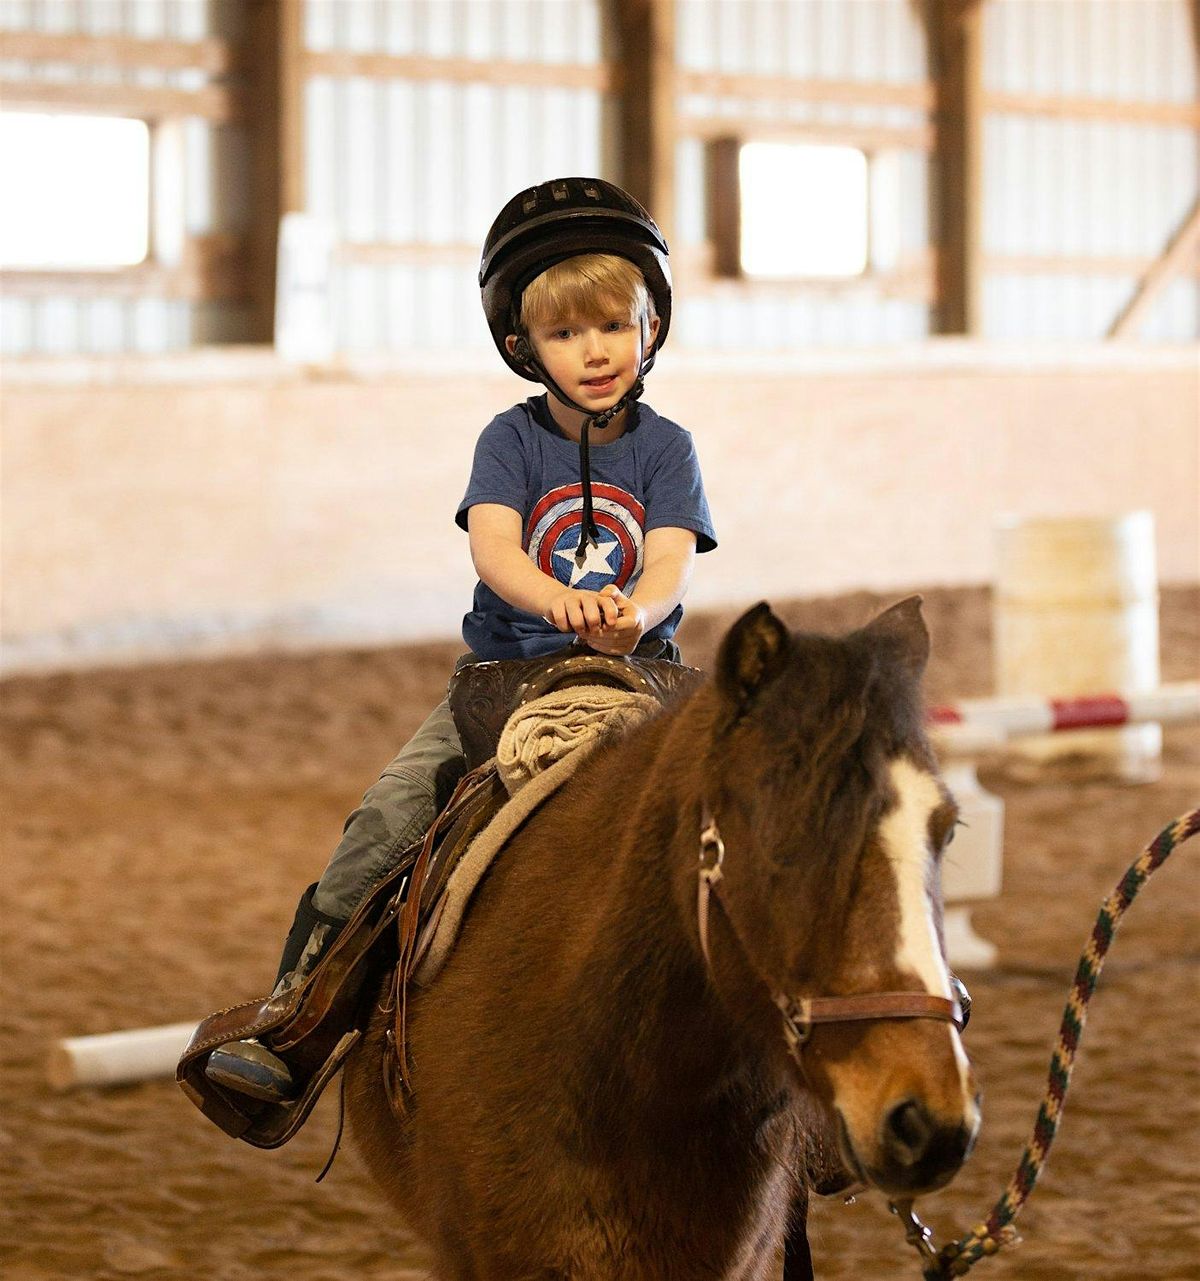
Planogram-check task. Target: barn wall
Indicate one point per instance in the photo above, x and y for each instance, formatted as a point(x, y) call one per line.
point(208, 160)
point(410, 172)
point(210, 503)
point(1078, 188)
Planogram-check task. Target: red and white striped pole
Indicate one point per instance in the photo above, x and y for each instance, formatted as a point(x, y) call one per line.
point(978, 724)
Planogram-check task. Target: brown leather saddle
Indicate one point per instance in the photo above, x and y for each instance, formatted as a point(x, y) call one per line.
point(315, 1026)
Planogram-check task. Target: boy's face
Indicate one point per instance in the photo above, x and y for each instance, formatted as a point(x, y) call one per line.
point(596, 359)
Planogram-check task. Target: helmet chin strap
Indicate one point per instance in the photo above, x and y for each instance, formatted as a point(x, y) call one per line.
point(523, 350)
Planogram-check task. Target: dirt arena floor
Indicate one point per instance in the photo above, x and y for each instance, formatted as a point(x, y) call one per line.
point(160, 822)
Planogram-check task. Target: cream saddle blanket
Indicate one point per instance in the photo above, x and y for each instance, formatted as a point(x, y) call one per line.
point(541, 746)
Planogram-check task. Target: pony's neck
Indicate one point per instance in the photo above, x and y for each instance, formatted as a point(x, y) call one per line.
point(678, 1042)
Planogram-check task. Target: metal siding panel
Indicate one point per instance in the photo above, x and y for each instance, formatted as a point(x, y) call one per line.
point(104, 326)
point(516, 32)
point(320, 132)
point(356, 26)
point(148, 318)
point(16, 15)
point(400, 189)
point(100, 17)
point(188, 19)
point(480, 179)
point(438, 29)
point(400, 319)
point(357, 160)
point(801, 28)
point(359, 314)
point(439, 137)
point(476, 37)
point(320, 25)
point(16, 324)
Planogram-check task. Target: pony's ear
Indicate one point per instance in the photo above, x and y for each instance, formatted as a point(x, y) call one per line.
point(905, 627)
point(753, 650)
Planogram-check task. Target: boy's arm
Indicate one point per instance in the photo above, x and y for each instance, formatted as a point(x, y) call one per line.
point(668, 558)
point(502, 563)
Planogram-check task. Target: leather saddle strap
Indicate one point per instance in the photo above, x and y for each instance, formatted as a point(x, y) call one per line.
point(410, 913)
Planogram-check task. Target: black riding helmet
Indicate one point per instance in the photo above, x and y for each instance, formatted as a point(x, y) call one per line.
point(542, 226)
point(561, 219)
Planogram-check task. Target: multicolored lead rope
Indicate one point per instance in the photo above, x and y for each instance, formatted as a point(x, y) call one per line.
point(956, 1259)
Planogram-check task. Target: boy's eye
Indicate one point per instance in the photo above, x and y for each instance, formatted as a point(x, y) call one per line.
point(561, 334)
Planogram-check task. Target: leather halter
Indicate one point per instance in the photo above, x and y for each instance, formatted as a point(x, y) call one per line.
point(801, 1013)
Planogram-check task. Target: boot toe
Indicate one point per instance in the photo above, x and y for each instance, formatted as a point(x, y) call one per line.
point(250, 1068)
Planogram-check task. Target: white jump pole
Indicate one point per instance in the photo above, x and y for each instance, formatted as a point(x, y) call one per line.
point(117, 1058)
point(975, 725)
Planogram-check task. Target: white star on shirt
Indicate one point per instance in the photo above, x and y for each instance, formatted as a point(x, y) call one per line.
point(596, 561)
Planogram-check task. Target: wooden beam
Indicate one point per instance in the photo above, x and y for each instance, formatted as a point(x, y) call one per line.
point(956, 54)
point(1176, 255)
point(409, 253)
point(865, 137)
point(1127, 265)
point(715, 84)
point(274, 44)
point(725, 206)
point(1111, 110)
point(217, 103)
point(216, 57)
point(646, 31)
point(390, 66)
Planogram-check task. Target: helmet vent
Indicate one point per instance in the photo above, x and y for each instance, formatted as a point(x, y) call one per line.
point(591, 192)
point(529, 204)
point(559, 190)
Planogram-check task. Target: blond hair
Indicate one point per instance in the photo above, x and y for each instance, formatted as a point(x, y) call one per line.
point(583, 287)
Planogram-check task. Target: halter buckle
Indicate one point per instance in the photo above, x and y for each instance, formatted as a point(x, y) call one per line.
point(797, 1021)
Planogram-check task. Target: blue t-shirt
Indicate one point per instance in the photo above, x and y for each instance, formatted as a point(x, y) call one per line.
point(647, 479)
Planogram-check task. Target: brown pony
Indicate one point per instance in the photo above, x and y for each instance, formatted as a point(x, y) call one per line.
point(593, 1098)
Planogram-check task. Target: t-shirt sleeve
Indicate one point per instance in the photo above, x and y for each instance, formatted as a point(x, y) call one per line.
point(675, 492)
point(499, 472)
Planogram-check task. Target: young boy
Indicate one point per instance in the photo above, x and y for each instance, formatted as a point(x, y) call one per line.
point(584, 511)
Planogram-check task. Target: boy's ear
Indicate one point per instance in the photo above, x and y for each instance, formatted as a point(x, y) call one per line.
point(754, 649)
point(517, 346)
point(652, 330)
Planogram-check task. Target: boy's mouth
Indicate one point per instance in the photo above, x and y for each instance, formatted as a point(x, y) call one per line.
point(601, 384)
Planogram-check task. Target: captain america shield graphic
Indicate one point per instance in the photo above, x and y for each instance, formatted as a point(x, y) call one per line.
point(554, 526)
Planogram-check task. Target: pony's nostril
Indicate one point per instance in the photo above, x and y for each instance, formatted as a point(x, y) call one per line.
point(908, 1129)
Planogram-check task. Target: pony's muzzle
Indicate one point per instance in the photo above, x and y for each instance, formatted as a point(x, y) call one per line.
point(917, 1151)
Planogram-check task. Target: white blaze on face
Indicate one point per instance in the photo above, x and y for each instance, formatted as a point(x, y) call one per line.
point(904, 834)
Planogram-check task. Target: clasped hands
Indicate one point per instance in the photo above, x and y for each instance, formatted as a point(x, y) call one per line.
point(607, 621)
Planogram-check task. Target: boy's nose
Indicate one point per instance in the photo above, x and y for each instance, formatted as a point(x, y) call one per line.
point(594, 350)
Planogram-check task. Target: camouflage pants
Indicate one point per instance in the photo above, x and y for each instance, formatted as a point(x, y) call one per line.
point(395, 812)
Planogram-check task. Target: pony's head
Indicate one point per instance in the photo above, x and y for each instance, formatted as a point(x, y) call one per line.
point(826, 797)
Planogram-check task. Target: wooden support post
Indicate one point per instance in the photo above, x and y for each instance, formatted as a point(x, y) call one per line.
point(274, 68)
point(956, 54)
point(1179, 253)
point(647, 104)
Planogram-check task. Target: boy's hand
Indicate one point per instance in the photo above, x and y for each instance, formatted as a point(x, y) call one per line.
point(623, 634)
point(587, 614)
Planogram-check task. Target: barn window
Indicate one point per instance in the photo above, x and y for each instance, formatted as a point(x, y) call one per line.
point(784, 210)
point(78, 191)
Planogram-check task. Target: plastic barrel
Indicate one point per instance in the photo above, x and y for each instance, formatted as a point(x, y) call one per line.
point(1076, 612)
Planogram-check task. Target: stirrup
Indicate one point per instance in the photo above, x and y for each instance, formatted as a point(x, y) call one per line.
point(248, 1067)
